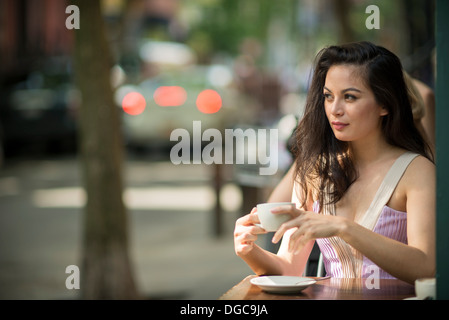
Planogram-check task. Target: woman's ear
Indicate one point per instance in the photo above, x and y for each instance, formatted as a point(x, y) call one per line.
point(383, 111)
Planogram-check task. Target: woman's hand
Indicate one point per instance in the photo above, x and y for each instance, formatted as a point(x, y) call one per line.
point(245, 233)
point(309, 226)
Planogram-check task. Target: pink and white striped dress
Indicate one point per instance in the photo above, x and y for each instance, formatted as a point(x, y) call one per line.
point(343, 261)
point(391, 223)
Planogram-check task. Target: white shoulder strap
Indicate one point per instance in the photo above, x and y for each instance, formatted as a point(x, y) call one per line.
point(386, 189)
point(351, 259)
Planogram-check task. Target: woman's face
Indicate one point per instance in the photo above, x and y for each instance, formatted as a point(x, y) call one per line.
point(350, 106)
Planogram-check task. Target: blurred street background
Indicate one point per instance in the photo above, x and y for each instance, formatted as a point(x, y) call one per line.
point(172, 247)
point(256, 55)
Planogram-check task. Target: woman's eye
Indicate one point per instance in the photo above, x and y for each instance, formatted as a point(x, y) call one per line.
point(327, 96)
point(350, 97)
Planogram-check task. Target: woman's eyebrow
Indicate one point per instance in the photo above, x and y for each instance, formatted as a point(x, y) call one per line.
point(350, 89)
point(344, 90)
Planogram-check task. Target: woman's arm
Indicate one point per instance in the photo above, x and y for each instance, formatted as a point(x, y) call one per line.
point(417, 259)
point(406, 262)
point(284, 189)
point(261, 261)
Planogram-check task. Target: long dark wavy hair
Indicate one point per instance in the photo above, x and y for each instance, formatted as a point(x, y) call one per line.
point(323, 163)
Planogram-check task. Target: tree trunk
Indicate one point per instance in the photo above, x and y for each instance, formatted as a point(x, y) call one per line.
point(106, 272)
point(341, 9)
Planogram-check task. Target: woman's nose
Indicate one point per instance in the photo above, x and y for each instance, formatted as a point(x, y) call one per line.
point(337, 107)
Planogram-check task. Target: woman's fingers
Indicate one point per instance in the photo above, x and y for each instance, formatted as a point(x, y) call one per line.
point(246, 231)
point(247, 237)
point(298, 240)
point(244, 238)
point(295, 222)
point(248, 219)
point(293, 212)
point(287, 209)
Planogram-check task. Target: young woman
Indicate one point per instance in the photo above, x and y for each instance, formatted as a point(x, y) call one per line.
point(363, 178)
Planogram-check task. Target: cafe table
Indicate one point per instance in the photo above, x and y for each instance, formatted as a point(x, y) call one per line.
point(328, 289)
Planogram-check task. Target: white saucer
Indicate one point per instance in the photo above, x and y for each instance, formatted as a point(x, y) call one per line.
point(282, 284)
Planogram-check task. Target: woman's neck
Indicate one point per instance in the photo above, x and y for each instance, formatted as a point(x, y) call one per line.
point(365, 153)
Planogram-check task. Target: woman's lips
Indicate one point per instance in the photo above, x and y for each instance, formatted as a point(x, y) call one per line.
point(339, 125)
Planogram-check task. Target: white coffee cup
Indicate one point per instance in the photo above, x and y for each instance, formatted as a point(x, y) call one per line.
point(270, 221)
point(425, 288)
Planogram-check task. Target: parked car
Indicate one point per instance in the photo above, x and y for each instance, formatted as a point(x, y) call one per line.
point(174, 69)
point(39, 111)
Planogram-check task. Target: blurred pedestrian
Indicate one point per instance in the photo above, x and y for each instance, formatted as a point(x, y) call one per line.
point(422, 99)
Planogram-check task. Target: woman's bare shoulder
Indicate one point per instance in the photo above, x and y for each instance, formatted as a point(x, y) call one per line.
point(420, 171)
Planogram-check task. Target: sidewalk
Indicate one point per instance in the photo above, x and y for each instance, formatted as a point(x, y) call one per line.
point(173, 250)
